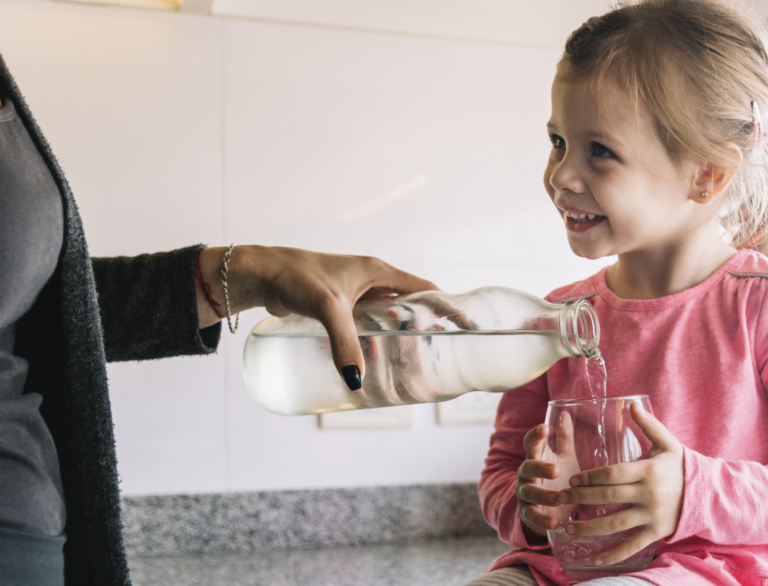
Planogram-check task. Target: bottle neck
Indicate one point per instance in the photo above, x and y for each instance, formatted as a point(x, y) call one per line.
point(579, 328)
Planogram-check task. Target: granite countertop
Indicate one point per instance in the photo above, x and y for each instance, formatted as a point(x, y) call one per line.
point(429, 563)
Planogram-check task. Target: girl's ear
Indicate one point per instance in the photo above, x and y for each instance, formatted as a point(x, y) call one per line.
point(712, 181)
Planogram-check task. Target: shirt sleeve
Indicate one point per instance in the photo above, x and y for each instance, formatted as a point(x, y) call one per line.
point(148, 306)
point(760, 333)
point(520, 410)
point(725, 502)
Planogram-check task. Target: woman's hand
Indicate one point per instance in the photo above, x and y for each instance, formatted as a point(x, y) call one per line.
point(652, 488)
point(322, 286)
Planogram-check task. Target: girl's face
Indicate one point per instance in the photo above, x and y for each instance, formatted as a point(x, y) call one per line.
point(610, 177)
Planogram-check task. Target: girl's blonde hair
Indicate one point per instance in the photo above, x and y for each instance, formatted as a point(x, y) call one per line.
point(697, 65)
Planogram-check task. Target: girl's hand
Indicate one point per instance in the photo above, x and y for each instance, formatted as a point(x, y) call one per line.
point(652, 488)
point(533, 501)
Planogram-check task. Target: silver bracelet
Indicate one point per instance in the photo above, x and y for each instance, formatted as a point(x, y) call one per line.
point(224, 271)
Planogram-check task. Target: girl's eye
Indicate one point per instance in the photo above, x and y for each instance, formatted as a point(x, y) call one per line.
point(557, 142)
point(601, 151)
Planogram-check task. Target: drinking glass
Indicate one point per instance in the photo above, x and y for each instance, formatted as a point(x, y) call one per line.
point(574, 443)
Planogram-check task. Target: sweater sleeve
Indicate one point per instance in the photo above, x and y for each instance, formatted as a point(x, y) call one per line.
point(148, 306)
point(725, 502)
point(520, 410)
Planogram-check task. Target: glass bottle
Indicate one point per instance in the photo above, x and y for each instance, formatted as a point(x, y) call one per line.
point(420, 348)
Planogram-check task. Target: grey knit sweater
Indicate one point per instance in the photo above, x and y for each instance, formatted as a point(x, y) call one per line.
point(145, 308)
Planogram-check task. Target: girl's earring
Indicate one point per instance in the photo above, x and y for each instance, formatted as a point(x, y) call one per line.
point(704, 194)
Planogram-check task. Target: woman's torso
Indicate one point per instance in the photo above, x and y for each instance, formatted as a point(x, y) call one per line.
point(31, 235)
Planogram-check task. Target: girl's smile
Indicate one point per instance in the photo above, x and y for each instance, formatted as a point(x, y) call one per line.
point(578, 220)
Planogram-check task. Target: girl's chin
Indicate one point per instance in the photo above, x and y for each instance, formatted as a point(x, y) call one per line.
point(592, 243)
point(590, 256)
point(589, 252)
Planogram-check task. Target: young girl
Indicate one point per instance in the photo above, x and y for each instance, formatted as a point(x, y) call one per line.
point(657, 157)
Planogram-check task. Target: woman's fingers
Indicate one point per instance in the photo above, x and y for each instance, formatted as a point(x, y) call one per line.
point(336, 317)
point(443, 309)
point(385, 276)
point(630, 547)
point(327, 287)
point(361, 277)
point(621, 521)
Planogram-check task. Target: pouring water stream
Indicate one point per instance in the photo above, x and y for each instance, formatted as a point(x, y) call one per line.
point(598, 378)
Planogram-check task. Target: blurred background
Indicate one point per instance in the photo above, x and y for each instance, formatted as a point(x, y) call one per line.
point(411, 130)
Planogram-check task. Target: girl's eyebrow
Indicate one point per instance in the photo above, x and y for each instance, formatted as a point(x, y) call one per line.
point(591, 135)
point(602, 137)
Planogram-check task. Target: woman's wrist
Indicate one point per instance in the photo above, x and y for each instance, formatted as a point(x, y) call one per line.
point(248, 268)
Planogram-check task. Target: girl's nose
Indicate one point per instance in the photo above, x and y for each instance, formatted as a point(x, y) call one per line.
point(564, 176)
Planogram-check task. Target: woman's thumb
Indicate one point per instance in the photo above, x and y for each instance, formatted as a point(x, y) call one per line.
point(345, 346)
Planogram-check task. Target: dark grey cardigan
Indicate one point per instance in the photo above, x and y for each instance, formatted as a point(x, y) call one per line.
point(145, 308)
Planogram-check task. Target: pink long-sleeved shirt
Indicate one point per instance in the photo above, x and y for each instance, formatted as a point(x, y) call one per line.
point(700, 355)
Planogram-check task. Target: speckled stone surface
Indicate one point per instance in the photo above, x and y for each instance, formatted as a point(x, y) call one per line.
point(435, 563)
point(259, 521)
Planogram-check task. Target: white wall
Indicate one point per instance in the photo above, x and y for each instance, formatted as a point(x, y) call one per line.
point(175, 129)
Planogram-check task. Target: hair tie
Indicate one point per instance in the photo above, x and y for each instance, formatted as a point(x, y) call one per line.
point(757, 127)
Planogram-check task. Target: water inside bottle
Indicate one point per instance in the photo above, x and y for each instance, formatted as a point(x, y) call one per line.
point(292, 374)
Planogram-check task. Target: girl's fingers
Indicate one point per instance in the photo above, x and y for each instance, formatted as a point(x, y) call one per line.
point(610, 494)
point(564, 434)
point(535, 520)
point(625, 473)
point(654, 430)
point(630, 547)
point(534, 440)
point(531, 469)
point(621, 521)
point(536, 495)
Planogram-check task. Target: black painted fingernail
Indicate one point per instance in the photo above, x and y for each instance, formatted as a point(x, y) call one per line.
point(351, 374)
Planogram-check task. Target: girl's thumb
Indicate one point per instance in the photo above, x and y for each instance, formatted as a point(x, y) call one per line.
point(653, 429)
